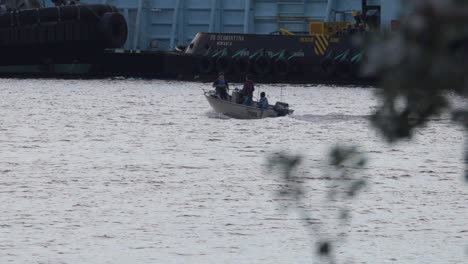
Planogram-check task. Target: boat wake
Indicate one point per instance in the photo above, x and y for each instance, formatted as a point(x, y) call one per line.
point(331, 118)
point(212, 114)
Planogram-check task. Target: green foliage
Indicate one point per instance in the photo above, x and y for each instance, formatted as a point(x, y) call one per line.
point(417, 65)
point(346, 164)
point(344, 175)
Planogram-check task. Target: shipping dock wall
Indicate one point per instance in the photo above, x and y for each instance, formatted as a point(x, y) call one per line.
point(166, 24)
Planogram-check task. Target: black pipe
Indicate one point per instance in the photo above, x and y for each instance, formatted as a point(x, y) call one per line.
point(364, 9)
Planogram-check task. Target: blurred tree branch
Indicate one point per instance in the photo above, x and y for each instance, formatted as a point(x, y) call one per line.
point(418, 66)
point(346, 181)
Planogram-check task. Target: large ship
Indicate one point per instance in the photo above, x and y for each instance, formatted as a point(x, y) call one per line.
point(276, 41)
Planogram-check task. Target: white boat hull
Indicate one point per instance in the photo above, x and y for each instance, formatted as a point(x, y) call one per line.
point(239, 111)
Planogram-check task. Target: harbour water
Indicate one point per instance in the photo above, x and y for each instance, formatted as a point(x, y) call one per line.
point(140, 171)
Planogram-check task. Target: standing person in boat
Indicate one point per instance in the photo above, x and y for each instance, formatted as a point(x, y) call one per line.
point(248, 89)
point(263, 103)
point(221, 86)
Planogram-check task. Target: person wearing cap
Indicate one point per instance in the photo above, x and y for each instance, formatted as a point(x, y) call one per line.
point(221, 86)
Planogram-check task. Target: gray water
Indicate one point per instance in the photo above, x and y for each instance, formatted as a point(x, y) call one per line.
point(134, 171)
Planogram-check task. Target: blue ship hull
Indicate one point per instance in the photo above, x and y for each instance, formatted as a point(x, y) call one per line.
point(166, 24)
point(153, 30)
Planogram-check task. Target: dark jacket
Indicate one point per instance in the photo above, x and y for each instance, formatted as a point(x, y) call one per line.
point(248, 88)
point(263, 103)
point(221, 84)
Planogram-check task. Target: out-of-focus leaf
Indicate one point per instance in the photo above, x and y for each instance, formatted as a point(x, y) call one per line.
point(356, 186)
point(427, 57)
point(324, 249)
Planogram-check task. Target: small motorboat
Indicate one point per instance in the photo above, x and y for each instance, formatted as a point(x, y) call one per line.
point(234, 108)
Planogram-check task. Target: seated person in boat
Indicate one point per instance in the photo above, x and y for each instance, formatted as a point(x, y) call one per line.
point(248, 89)
point(263, 103)
point(221, 86)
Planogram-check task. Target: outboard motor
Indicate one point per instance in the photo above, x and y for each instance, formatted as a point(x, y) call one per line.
point(281, 108)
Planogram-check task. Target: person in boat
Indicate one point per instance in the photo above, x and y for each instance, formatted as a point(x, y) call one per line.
point(221, 86)
point(248, 89)
point(263, 102)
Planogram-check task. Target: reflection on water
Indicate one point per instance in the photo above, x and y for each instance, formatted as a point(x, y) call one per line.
point(134, 171)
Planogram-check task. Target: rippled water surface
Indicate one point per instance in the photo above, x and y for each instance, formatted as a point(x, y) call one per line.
point(134, 171)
